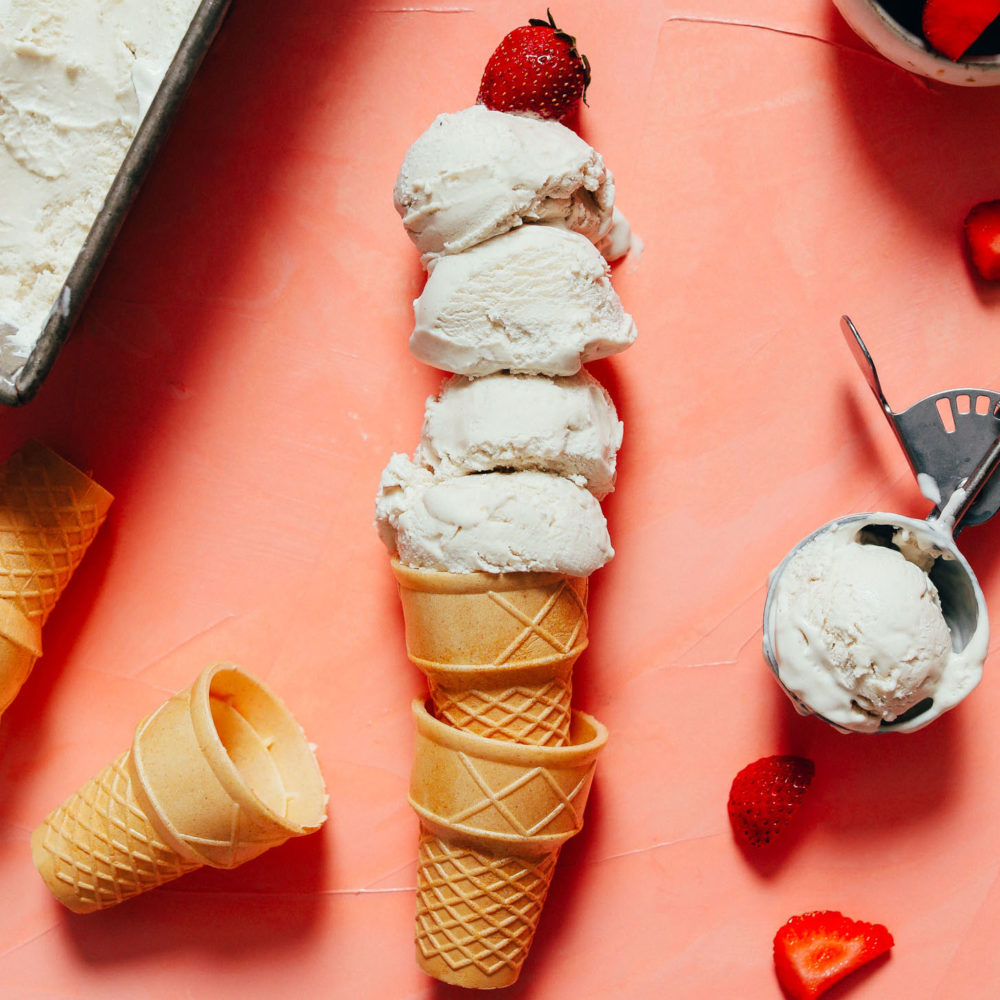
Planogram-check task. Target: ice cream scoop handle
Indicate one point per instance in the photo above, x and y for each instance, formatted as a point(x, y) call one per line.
point(867, 366)
point(962, 499)
point(864, 361)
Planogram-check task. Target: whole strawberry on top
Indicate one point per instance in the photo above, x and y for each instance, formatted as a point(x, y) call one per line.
point(536, 69)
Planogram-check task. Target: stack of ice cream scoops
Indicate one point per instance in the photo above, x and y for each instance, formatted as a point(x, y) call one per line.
point(495, 524)
point(76, 80)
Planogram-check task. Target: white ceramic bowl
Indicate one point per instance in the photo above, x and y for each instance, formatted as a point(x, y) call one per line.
point(911, 52)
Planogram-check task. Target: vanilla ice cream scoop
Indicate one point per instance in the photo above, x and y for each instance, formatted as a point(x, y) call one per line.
point(567, 426)
point(494, 522)
point(876, 622)
point(477, 173)
point(537, 299)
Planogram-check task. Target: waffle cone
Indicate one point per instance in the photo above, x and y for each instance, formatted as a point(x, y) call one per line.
point(497, 649)
point(493, 818)
point(215, 776)
point(49, 514)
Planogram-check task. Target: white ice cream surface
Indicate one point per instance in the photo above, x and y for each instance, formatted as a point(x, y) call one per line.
point(567, 426)
point(76, 77)
point(859, 632)
point(619, 239)
point(494, 522)
point(538, 299)
point(477, 173)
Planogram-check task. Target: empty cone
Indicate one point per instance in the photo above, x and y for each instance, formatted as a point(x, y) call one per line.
point(498, 649)
point(493, 817)
point(49, 514)
point(215, 776)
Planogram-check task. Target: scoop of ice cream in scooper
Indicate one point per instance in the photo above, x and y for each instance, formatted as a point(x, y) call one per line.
point(876, 622)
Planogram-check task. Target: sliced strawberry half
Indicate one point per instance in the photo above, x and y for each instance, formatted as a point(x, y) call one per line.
point(766, 794)
point(982, 234)
point(951, 26)
point(815, 950)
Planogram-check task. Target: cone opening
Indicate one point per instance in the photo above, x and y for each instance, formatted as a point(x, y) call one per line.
point(442, 582)
point(266, 754)
point(34, 463)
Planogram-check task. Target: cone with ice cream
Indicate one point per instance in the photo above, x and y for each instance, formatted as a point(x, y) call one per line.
point(50, 512)
point(492, 565)
point(493, 817)
point(498, 649)
point(215, 776)
point(495, 524)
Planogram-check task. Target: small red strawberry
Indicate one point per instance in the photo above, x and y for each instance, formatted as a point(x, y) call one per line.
point(982, 233)
point(536, 68)
point(815, 950)
point(951, 26)
point(766, 794)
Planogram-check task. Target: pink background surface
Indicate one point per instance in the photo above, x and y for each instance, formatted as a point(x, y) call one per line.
point(241, 376)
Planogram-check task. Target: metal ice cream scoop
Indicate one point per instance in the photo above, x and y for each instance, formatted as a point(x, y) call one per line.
point(945, 437)
point(952, 440)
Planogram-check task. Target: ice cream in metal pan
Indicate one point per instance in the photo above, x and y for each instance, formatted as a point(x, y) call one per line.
point(88, 90)
point(876, 622)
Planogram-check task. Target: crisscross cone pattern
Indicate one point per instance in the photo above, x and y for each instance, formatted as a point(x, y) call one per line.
point(498, 650)
point(493, 819)
point(49, 514)
point(476, 913)
point(101, 845)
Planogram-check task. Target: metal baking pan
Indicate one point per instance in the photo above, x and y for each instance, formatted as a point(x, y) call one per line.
point(20, 378)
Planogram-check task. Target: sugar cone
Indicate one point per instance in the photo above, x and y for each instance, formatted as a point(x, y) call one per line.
point(493, 817)
point(49, 514)
point(498, 649)
point(215, 776)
